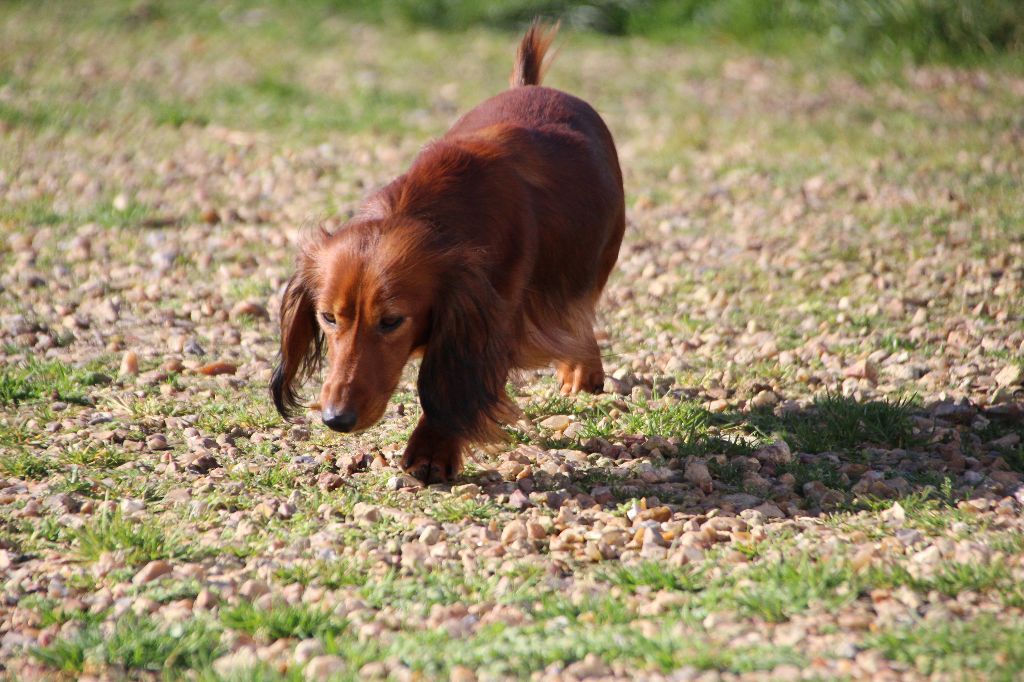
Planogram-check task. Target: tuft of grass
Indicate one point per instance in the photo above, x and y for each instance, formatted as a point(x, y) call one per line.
point(332, 574)
point(823, 470)
point(36, 379)
point(984, 645)
point(141, 541)
point(840, 423)
point(654, 575)
point(451, 509)
point(26, 465)
point(777, 590)
point(136, 643)
point(283, 620)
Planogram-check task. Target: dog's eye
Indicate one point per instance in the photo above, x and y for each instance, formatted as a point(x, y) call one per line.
point(328, 319)
point(390, 323)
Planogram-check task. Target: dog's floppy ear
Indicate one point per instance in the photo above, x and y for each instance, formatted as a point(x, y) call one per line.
point(467, 358)
point(302, 344)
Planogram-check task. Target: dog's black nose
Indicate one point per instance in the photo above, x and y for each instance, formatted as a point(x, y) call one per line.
point(339, 420)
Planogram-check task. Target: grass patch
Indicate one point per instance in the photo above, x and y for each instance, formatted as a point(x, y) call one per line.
point(330, 574)
point(33, 380)
point(840, 423)
point(778, 590)
point(282, 620)
point(983, 646)
point(655, 576)
point(136, 643)
point(141, 541)
point(26, 465)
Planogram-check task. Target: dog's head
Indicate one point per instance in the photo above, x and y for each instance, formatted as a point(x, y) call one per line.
point(363, 298)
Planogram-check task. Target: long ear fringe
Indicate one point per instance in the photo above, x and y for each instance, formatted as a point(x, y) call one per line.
point(468, 358)
point(302, 346)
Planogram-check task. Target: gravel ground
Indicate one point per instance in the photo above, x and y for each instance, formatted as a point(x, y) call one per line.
point(807, 463)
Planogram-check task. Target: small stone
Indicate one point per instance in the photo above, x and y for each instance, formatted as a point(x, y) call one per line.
point(718, 405)
point(1010, 375)
point(329, 481)
point(862, 369)
point(770, 511)
point(236, 664)
point(518, 500)
point(461, 673)
point(698, 474)
point(249, 309)
point(742, 500)
point(764, 400)
point(558, 422)
point(653, 536)
point(430, 535)
point(776, 453)
point(216, 368)
point(324, 667)
point(129, 364)
point(403, 481)
point(192, 347)
point(466, 490)
point(152, 571)
point(307, 650)
point(131, 506)
point(205, 600)
point(513, 531)
point(366, 513)
point(157, 441)
point(251, 589)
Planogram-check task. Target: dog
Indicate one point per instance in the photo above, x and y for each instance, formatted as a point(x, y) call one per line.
point(487, 256)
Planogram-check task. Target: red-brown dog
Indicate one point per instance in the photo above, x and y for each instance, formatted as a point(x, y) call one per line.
point(487, 256)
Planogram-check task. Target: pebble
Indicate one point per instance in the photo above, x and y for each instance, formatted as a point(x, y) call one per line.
point(236, 664)
point(1010, 375)
point(249, 309)
point(152, 571)
point(698, 474)
point(129, 364)
point(307, 649)
point(403, 481)
point(558, 422)
point(324, 668)
point(217, 368)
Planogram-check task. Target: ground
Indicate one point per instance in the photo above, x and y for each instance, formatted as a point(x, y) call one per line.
point(807, 463)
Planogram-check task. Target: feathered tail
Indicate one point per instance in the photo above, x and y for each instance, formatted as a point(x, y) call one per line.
point(529, 67)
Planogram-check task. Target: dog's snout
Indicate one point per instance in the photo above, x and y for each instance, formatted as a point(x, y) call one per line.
point(339, 419)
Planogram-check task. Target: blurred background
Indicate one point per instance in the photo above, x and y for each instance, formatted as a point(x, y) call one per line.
point(915, 29)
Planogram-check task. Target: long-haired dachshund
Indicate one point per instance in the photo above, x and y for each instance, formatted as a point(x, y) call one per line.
point(487, 256)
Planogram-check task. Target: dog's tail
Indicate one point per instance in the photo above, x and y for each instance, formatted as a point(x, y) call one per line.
point(529, 67)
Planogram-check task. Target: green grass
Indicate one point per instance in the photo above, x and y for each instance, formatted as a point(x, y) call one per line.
point(653, 575)
point(136, 643)
point(784, 588)
point(841, 423)
point(33, 380)
point(920, 29)
point(283, 620)
point(22, 463)
point(983, 646)
point(330, 574)
point(140, 540)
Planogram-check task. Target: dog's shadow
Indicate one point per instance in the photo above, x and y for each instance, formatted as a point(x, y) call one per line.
point(833, 455)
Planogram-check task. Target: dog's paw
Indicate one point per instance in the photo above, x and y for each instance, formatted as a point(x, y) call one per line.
point(580, 377)
point(432, 465)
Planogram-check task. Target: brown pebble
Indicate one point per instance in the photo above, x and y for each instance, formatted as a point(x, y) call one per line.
point(219, 367)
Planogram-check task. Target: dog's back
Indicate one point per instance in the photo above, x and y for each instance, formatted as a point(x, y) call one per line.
point(573, 156)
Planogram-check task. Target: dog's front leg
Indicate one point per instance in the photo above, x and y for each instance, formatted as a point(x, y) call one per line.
point(432, 455)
